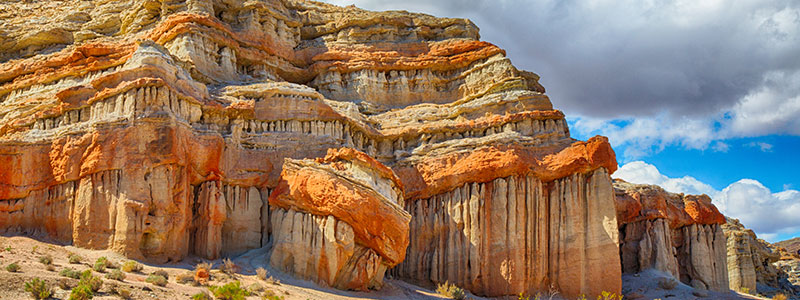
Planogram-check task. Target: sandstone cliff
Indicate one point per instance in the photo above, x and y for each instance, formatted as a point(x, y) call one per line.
point(674, 233)
point(756, 267)
point(160, 130)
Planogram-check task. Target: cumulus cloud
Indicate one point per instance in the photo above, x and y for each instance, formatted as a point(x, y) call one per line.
point(653, 73)
point(644, 173)
point(767, 213)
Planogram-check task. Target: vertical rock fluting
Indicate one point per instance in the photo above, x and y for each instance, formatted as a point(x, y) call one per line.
point(674, 233)
point(751, 262)
point(517, 235)
point(163, 135)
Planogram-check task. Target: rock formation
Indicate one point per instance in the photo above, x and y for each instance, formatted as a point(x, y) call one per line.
point(756, 267)
point(338, 220)
point(674, 233)
point(160, 130)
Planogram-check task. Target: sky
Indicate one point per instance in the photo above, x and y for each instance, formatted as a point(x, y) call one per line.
point(695, 96)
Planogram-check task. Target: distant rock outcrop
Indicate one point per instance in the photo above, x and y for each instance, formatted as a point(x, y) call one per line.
point(756, 267)
point(674, 233)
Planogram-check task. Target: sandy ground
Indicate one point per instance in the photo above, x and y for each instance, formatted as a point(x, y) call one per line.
point(26, 251)
point(645, 285)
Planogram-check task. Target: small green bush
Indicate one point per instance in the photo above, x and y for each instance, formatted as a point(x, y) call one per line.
point(70, 273)
point(157, 280)
point(120, 291)
point(131, 266)
point(64, 284)
point(12, 267)
point(94, 283)
point(101, 264)
point(81, 292)
point(230, 291)
point(46, 260)
point(38, 289)
point(201, 296)
point(451, 291)
point(184, 278)
point(75, 259)
point(270, 295)
point(116, 275)
point(161, 273)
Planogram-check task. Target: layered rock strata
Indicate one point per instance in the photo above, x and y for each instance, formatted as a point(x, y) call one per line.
point(338, 220)
point(756, 267)
point(161, 133)
point(674, 233)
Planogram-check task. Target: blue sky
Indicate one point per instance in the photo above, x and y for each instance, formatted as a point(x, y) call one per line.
point(696, 96)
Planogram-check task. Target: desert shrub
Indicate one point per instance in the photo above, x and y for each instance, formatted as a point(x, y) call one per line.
point(99, 266)
point(94, 283)
point(131, 266)
point(229, 291)
point(157, 280)
point(613, 296)
point(203, 266)
point(116, 275)
point(262, 273)
point(201, 296)
point(161, 273)
point(185, 277)
point(451, 291)
point(12, 267)
point(120, 291)
point(779, 296)
point(272, 280)
point(38, 289)
point(46, 260)
point(270, 295)
point(667, 283)
point(64, 284)
point(255, 288)
point(228, 266)
point(74, 258)
point(70, 272)
point(81, 292)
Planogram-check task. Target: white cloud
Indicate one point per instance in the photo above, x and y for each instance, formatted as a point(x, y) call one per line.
point(641, 136)
point(720, 146)
point(768, 214)
point(764, 147)
point(642, 172)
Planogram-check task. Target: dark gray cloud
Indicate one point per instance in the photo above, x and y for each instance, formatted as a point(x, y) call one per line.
point(620, 59)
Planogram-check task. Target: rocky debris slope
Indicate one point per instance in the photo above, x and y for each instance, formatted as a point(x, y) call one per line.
point(756, 267)
point(677, 234)
point(159, 130)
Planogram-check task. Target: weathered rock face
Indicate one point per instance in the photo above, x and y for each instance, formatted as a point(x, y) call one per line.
point(755, 266)
point(674, 233)
point(160, 129)
point(344, 225)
